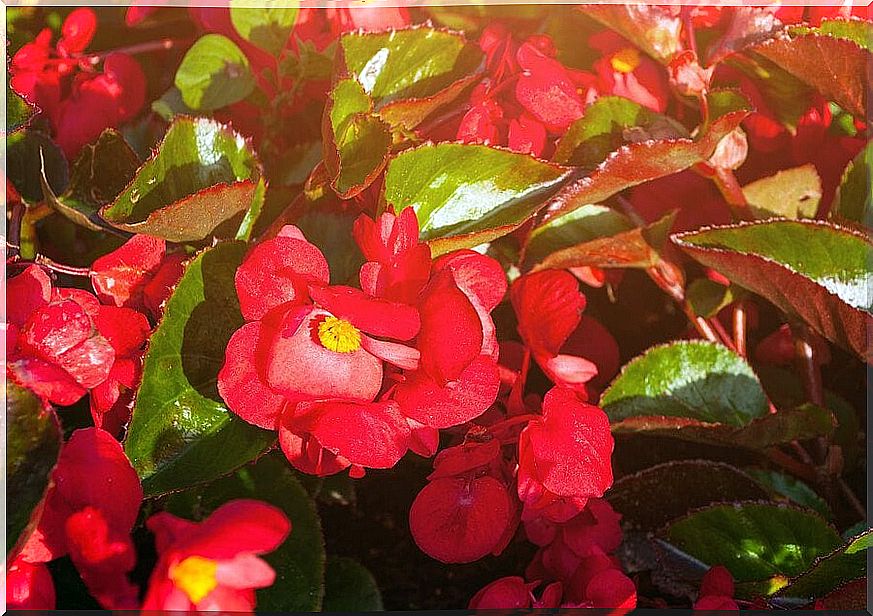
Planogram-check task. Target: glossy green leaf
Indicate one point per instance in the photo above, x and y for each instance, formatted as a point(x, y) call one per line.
point(854, 199)
point(814, 270)
point(410, 63)
point(792, 489)
point(830, 571)
point(758, 542)
point(181, 433)
point(691, 484)
point(33, 436)
point(300, 561)
point(707, 297)
point(201, 174)
point(790, 193)
point(19, 112)
point(408, 113)
point(641, 162)
point(690, 379)
point(836, 67)
point(267, 27)
point(858, 31)
point(465, 195)
point(350, 587)
point(356, 141)
point(214, 73)
point(608, 123)
point(586, 224)
point(636, 248)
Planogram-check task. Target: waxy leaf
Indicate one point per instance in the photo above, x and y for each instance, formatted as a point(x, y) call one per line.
point(790, 193)
point(299, 561)
point(34, 442)
point(410, 63)
point(586, 224)
point(608, 123)
point(408, 113)
point(813, 270)
point(267, 27)
point(641, 162)
point(350, 587)
point(201, 175)
point(836, 67)
point(466, 195)
point(214, 73)
point(181, 433)
point(695, 380)
point(759, 543)
point(19, 112)
point(856, 30)
point(691, 484)
point(707, 297)
point(792, 489)
point(654, 29)
point(853, 201)
point(636, 248)
point(356, 141)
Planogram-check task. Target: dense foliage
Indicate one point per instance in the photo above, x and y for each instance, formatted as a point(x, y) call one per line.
point(547, 306)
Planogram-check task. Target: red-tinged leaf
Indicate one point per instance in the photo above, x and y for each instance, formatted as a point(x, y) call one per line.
point(641, 162)
point(853, 201)
point(201, 174)
point(636, 248)
point(356, 141)
point(790, 193)
point(34, 439)
point(836, 67)
point(746, 26)
point(655, 29)
point(691, 484)
point(409, 113)
point(813, 270)
point(465, 195)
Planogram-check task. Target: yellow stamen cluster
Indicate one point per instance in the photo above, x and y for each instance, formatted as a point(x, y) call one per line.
point(625, 60)
point(195, 576)
point(339, 335)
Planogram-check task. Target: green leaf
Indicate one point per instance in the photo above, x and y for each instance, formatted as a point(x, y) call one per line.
point(691, 379)
point(466, 195)
point(170, 104)
point(854, 201)
point(636, 248)
point(19, 112)
point(608, 123)
point(858, 31)
point(356, 142)
point(759, 543)
point(791, 488)
point(691, 484)
point(267, 27)
point(33, 436)
point(641, 162)
point(214, 73)
point(27, 153)
point(408, 113)
point(201, 174)
point(707, 297)
point(350, 587)
point(181, 433)
point(411, 63)
point(299, 562)
point(585, 224)
point(836, 67)
point(790, 193)
point(813, 270)
point(831, 571)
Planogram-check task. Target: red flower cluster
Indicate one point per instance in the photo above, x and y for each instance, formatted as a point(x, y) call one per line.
point(62, 82)
point(61, 343)
point(530, 97)
point(355, 378)
point(214, 565)
point(573, 561)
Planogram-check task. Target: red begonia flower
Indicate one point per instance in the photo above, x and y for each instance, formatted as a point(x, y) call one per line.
point(507, 593)
point(546, 90)
point(564, 457)
point(214, 565)
point(459, 520)
point(624, 71)
point(29, 586)
point(716, 590)
point(88, 513)
point(120, 277)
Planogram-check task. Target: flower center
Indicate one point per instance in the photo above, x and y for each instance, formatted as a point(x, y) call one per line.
point(625, 60)
point(339, 335)
point(195, 576)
